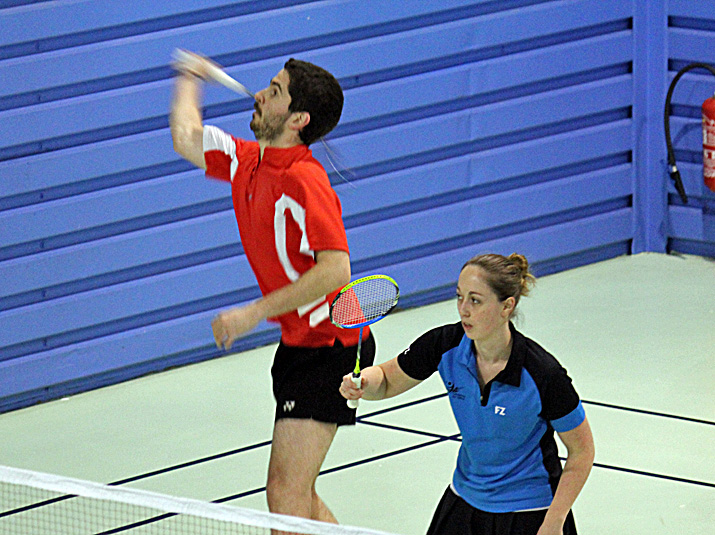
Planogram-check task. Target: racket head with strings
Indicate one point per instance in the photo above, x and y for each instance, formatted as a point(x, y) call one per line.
point(364, 301)
point(360, 303)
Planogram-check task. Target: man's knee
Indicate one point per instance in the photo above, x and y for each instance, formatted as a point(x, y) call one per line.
point(276, 493)
point(285, 494)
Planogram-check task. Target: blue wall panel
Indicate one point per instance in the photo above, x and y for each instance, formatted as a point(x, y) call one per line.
point(468, 126)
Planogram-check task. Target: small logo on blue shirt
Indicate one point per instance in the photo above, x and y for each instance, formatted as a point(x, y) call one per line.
point(453, 390)
point(501, 411)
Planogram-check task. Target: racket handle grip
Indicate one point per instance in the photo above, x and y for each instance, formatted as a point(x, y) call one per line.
point(357, 381)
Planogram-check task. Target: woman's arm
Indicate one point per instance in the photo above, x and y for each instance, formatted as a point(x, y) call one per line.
point(379, 382)
point(579, 443)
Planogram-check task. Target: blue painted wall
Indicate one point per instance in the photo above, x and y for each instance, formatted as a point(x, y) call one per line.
point(469, 126)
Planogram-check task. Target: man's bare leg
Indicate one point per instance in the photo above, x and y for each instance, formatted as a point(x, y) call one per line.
point(297, 453)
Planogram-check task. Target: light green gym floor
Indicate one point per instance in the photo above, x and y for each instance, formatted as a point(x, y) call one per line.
point(636, 334)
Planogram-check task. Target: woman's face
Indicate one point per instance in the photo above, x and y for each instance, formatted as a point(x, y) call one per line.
point(480, 310)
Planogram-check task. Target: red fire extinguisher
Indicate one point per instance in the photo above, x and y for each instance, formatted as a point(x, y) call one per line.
point(709, 142)
point(708, 113)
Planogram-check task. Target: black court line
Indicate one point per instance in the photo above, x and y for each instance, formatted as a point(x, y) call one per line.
point(655, 475)
point(192, 463)
point(650, 413)
point(146, 475)
point(401, 406)
point(457, 437)
point(232, 497)
point(198, 461)
point(434, 439)
point(584, 401)
point(437, 438)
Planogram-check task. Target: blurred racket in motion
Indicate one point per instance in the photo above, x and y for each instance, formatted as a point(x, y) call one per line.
point(189, 61)
point(360, 303)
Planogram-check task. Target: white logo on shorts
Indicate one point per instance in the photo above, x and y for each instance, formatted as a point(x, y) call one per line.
point(288, 406)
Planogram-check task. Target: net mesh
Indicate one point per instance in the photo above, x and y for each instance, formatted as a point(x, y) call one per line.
point(34, 503)
point(368, 300)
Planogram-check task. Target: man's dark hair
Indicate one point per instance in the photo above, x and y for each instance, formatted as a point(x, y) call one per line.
point(315, 90)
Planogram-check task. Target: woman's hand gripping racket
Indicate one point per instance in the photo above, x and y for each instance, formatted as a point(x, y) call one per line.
point(360, 303)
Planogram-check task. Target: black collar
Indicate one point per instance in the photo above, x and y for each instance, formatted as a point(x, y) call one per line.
point(511, 374)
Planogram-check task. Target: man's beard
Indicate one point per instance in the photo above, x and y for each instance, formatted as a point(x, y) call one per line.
point(270, 128)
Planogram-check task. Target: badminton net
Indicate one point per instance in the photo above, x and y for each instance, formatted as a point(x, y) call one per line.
point(35, 503)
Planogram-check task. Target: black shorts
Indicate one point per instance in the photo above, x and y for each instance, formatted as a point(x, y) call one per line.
point(306, 380)
point(454, 516)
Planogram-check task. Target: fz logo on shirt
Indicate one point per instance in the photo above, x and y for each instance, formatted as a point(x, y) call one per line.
point(501, 411)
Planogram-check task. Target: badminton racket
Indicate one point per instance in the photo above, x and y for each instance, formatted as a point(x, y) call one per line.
point(191, 62)
point(360, 303)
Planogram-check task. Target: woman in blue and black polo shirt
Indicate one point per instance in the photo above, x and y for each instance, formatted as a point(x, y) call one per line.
point(508, 395)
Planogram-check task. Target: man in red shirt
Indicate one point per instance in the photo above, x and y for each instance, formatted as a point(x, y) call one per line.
point(290, 222)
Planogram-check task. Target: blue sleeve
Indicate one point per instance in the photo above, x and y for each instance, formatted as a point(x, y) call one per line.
point(571, 421)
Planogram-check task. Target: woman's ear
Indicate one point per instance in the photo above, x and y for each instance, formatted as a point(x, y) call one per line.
point(509, 305)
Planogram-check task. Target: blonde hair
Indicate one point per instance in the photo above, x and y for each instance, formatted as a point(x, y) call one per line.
point(506, 276)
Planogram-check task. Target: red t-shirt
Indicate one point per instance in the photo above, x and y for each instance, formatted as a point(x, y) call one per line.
point(286, 211)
